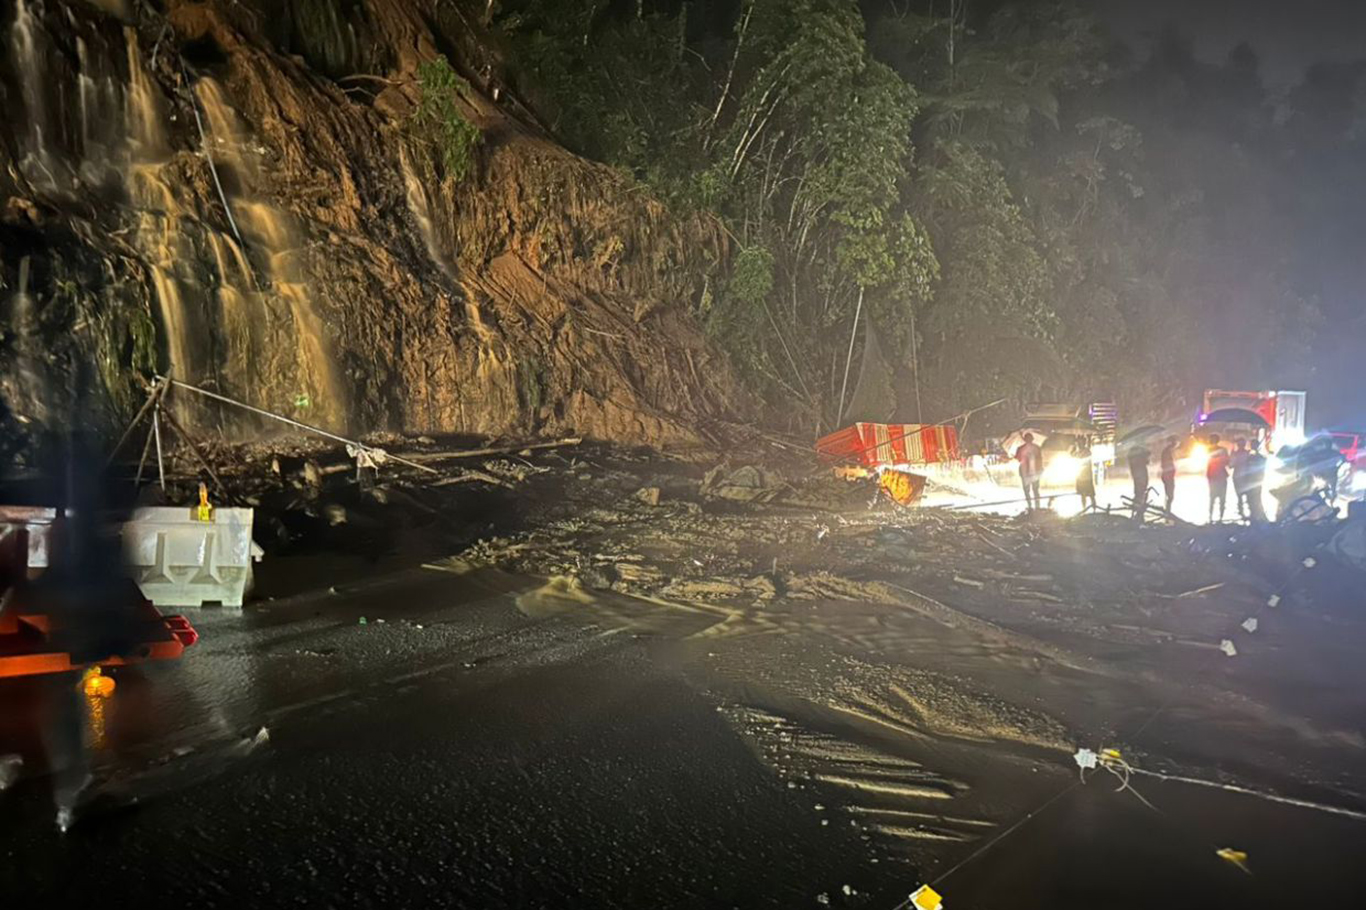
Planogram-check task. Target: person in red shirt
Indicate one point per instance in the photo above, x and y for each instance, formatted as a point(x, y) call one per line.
point(1030, 457)
point(1216, 472)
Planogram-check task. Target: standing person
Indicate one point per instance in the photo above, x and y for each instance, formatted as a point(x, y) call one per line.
point(1237, 463)
point(1216, 472)
point(1030, 457)
point(1253, 475)
point(1168, 459)
point(1086, 477)
point(1138, 472)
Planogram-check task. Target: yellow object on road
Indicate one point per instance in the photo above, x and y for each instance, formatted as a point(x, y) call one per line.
point(902, 487)
point(926, 898)
point(1236, 857)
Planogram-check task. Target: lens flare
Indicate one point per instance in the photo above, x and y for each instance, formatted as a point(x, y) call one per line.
point(1062, 469)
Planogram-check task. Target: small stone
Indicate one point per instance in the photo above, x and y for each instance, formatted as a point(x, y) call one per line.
point(1310, 562)
point(1274, 600)
point(1250, 624)
point(648, 495)
point(1228, 648)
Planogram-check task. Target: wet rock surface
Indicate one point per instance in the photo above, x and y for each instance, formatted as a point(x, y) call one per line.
point(237, 193)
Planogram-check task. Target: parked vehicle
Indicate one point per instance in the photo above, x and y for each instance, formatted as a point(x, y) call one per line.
point(1272, 419)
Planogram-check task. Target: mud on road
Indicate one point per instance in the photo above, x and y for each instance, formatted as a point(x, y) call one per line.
point(931, 672)
point(605, 678)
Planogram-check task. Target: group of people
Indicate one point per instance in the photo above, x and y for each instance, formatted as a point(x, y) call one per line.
point(1245, 466)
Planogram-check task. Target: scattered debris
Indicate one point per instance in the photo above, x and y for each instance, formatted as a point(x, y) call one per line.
point(1250, 624)
point(1198, 591)
point(1235, 857)
point(1349, 544)
point(744, 484)
point(648, 495)
point(519, 449)
point(1228, 648)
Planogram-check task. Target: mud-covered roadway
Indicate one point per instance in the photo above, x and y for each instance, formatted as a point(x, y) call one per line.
point(594, 677)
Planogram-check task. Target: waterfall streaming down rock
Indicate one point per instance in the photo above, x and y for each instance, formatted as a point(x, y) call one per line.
point(306, 252)
point(144, 117)
point(421, 209)
point(317, 388)
point(37, 130)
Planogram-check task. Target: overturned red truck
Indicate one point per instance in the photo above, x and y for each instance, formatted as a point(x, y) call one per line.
point(891, 450)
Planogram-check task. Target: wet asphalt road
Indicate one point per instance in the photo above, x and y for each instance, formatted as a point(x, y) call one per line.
point(463, 753)
point(483, 760)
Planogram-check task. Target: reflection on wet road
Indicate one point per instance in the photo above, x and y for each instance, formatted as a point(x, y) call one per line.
point(485, 740)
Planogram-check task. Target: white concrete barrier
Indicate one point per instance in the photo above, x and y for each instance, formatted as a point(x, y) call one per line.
point(179, 561)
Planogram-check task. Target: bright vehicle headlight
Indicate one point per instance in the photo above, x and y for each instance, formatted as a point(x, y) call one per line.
point(1062, 468)
point(1199, 456)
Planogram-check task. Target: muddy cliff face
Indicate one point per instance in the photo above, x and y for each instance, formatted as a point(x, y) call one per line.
point(239, 194)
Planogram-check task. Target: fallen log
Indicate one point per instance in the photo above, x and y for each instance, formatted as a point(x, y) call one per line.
point(468, 476)
point(495, 450)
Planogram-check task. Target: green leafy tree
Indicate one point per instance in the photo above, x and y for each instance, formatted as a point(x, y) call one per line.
point(438, 114)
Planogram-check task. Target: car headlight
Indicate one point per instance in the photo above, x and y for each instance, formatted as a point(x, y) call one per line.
point(1062, 468)
point(1199, 456)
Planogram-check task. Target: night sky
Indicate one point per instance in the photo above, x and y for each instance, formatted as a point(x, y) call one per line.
point(1288, 35)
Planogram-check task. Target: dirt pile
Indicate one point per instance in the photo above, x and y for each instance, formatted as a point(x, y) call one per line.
point(1038, 631)
point(243, 194)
